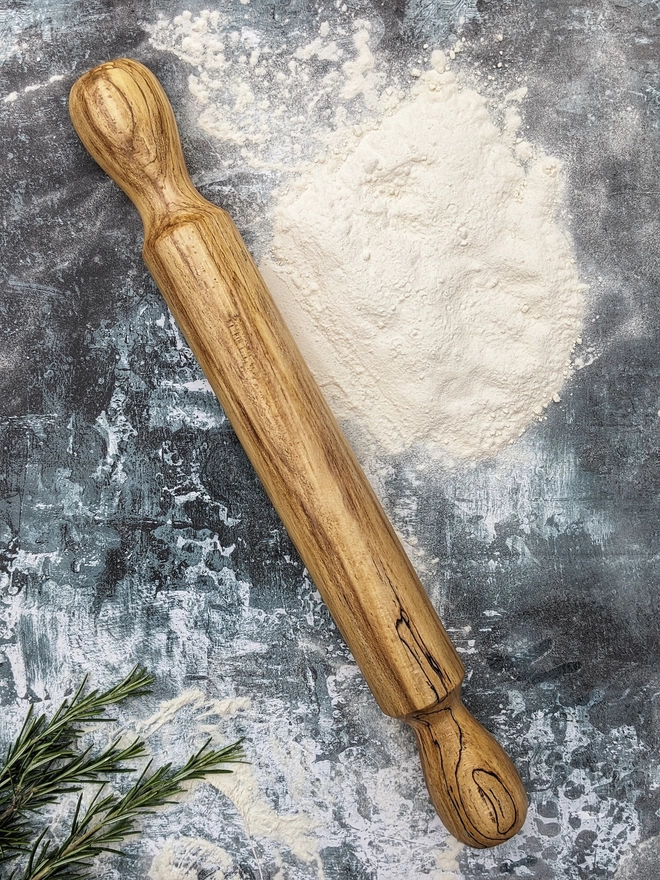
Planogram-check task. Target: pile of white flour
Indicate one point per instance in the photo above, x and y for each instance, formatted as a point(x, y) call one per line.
point(418, 260)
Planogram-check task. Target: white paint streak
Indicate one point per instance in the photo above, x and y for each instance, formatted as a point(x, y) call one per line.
point(615, 822)
point(34, 87)
point(198, 385)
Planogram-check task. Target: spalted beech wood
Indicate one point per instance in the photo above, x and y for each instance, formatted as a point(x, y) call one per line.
point(221, 304)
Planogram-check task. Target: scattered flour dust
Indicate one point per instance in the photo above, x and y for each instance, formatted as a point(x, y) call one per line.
point(199, 706)
point(271, 99)
point(446, 860)
point(181, 857)
point(295, 801)
point(193, 710)
point(295, 831)
point(417, 255)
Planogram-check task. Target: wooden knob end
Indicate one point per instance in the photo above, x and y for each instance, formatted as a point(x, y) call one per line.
point(473, 784)
point(125, 121)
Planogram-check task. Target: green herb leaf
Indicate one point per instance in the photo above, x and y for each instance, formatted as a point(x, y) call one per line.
point(43, 763)
point(111, 819)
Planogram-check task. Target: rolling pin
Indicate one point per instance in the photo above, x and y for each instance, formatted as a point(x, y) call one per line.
point(220, 302)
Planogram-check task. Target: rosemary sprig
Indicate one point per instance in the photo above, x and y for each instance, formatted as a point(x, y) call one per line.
point(109, 820)
point(43, 763)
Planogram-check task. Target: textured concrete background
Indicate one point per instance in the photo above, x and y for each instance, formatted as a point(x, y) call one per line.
point(132, 527)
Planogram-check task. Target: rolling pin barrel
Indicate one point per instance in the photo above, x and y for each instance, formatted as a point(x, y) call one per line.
point(215, 292)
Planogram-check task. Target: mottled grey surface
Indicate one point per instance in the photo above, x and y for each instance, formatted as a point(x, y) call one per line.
point(133, 527)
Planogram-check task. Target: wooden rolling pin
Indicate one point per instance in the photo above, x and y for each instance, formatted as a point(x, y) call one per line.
point(215, 292)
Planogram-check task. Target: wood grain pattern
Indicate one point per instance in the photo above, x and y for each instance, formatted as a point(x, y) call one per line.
point(230, 321)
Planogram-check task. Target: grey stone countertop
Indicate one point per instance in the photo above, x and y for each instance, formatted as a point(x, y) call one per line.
point(133, 529)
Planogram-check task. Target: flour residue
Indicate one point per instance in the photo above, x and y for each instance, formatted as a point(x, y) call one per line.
point(183, 858)
point(272, 102)
point(417, 258)
point(295, 830)
point(292, 800)
point(446, 860)
point(194, 712)
point(425, 277)
point(199, 705)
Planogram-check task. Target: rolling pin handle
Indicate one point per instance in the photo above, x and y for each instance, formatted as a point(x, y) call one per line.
point(473, 785)
point(126, 123)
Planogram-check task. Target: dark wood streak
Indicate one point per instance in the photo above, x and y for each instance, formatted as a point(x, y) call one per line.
point(230, 321)
point(420, 651)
